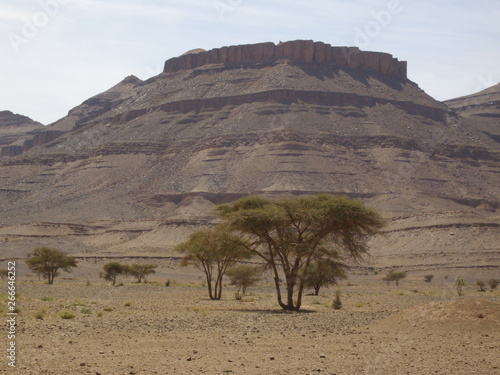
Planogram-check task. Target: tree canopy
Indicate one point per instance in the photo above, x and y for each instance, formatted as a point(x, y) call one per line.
point(213, 251)
point(325, 272)
point(112, 270)
point(47, 262)
point(288, 234)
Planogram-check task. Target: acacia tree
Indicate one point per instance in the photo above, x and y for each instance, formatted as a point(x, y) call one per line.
point(325, 272)
point(47, 262)
point(493, 283)
point(394, 276)
point(213, 251)
point(141, 271)
point(290, 233)
point(112, 270)
point(244, 276)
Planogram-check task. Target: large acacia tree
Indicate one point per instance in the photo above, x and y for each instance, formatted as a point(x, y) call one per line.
point(290, 233)
point(213, 251)
point(47, 262)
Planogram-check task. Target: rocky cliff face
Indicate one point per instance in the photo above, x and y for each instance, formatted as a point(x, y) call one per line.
point(151, 155)
point(14, 131)
point(298, 51)
point(481, 110)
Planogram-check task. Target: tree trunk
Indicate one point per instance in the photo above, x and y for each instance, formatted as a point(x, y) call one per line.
point(316, 289)
point(209, 286)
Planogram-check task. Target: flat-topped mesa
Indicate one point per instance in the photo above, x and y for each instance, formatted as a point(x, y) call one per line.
point(300, 51)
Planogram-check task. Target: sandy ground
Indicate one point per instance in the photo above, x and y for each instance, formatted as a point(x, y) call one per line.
point(416, 328)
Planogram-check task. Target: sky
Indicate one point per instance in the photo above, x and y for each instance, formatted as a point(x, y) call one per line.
point(55, 54)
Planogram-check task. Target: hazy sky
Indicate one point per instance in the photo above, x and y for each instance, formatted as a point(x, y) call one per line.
point(57, 53)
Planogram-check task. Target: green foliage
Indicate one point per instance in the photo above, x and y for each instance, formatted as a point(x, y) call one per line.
point(113, 270)
point(288, 234)
point(337, 303)
point(66, 315)
point(244, 276)
point(140, 271)
point(213, 251)
point(493, 283)
point(395, 276)
point(324, 272)
point(428, 278)
point(460, 284)
point(47, 262)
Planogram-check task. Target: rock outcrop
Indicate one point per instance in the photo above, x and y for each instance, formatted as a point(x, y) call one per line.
point(15, 130)
point(298, 51)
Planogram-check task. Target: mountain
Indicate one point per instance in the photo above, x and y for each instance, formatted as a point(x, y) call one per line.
point(132, 170)
point(482, 110)
point(14, 131)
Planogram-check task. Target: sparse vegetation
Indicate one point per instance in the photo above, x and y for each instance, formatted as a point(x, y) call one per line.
point(128, 304)
point(325, 272)
point(493, 283)
point(47, 262)
point(243, 276)
point(288, 234)
point(40, 314)
point(460, 284)
point(86, 310)
point(337, 303)
point(112, 271)
point(213, 251)
point(481, 285)
point(428, 278)
point(108, 309)
point(66, 315)
point(395, 276)
point(141, 271)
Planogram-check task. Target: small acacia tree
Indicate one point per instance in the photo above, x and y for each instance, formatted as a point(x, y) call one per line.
point(112, 270)
point(395, 276)
point(288, 234)
point(213, 251)
point(460, 284)
point(325, 272)
point(47, 262)
point(141, 271)
point(244, 276)
point(493, 283)
point(481, 284)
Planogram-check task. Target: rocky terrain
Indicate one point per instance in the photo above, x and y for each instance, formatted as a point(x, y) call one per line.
point(482, 110)
point(16, 133)
point(132, 170)
point(416, 328)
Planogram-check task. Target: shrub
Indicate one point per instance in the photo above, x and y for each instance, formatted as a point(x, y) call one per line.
point(108, 309)
point(243, 276)
point(66, 315)
point(460, 284)
point(86, 310)
point(481, 284)
point(128, 304)
point(493, 283)
point(40, 314)
point(428, 278)
point(337, 303)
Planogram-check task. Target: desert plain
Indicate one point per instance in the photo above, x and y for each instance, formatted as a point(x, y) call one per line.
point(150, 328)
